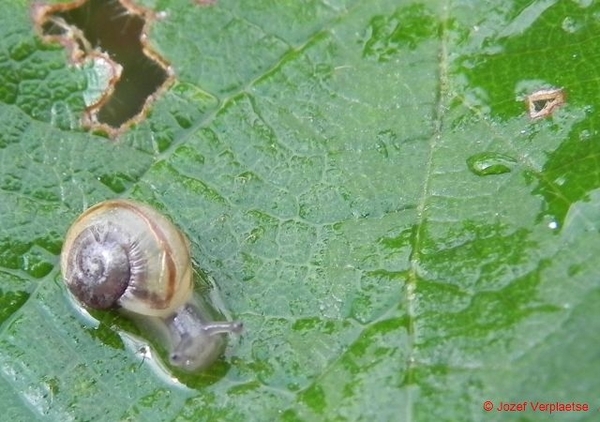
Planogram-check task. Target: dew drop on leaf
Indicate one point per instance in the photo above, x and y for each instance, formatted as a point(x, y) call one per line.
point(570, 25)
point(488, 163)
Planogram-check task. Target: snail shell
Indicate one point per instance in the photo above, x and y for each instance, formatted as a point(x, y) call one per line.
point(124, 254)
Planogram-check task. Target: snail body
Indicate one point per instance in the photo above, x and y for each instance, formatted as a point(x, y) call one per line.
point(124, 254)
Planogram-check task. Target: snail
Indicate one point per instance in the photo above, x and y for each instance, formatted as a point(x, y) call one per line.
point(124, 254)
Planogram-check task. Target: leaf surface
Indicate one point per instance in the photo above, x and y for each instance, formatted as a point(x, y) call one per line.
point(364, 185)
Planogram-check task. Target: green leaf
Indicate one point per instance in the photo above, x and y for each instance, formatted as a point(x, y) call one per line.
point(363, 183)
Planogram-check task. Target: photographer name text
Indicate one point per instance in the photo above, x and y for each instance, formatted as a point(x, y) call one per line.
point(536, 406)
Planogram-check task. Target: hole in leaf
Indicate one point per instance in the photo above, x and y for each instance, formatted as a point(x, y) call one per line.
point(544, 102)
point(108, 40)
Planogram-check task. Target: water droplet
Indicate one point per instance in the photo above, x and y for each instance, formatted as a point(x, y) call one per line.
point(385, 138)
point(488, 163)
point(570, 25)
point(381, 148)
point(551, 222)
point(584, 135)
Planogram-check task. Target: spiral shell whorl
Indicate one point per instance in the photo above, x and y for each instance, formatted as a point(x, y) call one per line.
point(122, 253)
point(100, 269)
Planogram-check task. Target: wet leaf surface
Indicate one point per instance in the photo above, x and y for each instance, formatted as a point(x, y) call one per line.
point(362, 181)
